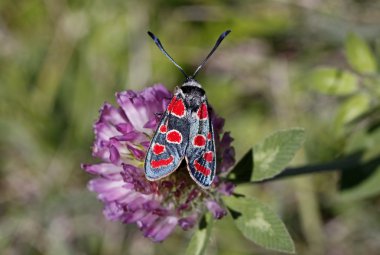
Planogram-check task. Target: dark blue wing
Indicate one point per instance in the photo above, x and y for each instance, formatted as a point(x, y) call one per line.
point(200, 152)
point(168, 146)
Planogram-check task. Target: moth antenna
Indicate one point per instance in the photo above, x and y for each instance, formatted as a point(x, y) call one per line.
point(159, 45)
point(220, 39)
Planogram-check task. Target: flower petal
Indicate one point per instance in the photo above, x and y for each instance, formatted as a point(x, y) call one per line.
point(217, 211)
point(134, 108)
point(139, 154)
point(145, 222)
point(134, 216)
point(124, 127)
point(159, 231)
point(152, 123)
point(226, 188)
point(102, 169)
point(188, 222)
point(111, 115)
point(113, 211)
point(114, 155)
point(131, 136)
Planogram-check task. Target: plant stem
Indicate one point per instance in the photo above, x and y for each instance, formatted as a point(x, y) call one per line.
point(350, 161)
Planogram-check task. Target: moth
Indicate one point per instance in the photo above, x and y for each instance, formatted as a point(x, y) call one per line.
point(185, 131)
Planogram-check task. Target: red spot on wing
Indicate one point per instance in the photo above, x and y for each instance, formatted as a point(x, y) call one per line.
point(208, 156)
point(171, 104)
point(158, 148)
point(199, 141)
point(163, 129)
point(161, 162)
point(174, 136)
point(209, 136)
point(202, 112)
point(177, 107)
point(202, 169)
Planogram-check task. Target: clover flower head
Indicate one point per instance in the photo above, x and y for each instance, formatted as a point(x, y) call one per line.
point(122, 138)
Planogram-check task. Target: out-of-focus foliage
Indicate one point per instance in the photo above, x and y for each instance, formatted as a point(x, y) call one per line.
point(201, 236)
point(59, 60)
point(356, 121)
point(359, 55)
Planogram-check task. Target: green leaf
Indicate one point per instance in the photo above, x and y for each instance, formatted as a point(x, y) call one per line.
point(275, 152)
point(352, 108)
point(368, 188)
point(359, 55)
point(333, 81)
point(242, 171)
point(201, 236)
point(259, 224)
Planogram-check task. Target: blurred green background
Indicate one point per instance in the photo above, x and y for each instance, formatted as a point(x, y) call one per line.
point(60, 60)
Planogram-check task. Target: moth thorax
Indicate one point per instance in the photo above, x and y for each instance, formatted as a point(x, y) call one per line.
point(191, 91)
point(192, 83)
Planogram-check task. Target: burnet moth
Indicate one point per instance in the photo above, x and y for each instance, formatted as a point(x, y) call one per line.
point(185, 130)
